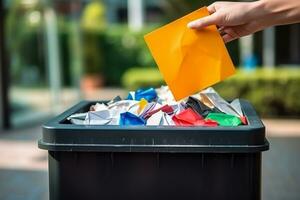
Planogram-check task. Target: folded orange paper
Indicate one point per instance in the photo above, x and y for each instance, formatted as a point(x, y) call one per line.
point(189, 60)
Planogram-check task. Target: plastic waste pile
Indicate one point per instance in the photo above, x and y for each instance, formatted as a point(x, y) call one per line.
point(157, 107)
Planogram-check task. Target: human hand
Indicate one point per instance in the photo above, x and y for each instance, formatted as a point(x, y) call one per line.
point(234, 19)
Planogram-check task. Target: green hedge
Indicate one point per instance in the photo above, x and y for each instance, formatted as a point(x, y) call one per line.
point(110, 52)
point(136, 78)
point(116, 49)
point(120, 50)
point(274, 93)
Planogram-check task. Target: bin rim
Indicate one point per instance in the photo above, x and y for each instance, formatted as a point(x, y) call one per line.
point(59, 136)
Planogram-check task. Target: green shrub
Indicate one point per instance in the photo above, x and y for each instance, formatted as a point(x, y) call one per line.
point(136, 78)
point(274, 93)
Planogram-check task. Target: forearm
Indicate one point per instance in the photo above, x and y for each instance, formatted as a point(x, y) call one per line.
point(278, 12)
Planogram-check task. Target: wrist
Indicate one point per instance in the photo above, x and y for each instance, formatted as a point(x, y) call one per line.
point(260, 9)
point(266, 13)
point(257, 14)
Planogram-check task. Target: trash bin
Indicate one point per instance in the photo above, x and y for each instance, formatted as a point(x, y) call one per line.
point(140, 162)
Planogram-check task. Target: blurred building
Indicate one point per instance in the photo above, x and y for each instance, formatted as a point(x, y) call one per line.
point(117, 10)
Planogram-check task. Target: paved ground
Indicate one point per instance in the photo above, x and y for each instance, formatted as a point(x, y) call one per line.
point(23, 167)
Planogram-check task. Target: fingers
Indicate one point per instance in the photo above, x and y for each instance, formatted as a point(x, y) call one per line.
point(211, 8)
point(203, 22)
point(232, 31)
point(227, 38)
point(229, 33)
point(221, 30)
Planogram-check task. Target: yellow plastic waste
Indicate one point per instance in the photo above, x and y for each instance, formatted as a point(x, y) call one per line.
point(142, 104)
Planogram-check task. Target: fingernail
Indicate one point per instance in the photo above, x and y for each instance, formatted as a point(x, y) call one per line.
point(191, 25)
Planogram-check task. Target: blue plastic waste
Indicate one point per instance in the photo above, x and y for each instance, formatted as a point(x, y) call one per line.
point(128, 118)
point(129, 97)
point(148, 94)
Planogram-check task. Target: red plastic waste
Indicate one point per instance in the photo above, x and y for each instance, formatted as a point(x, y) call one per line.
point(244, 120)
point(166, 108)
point(189, 117)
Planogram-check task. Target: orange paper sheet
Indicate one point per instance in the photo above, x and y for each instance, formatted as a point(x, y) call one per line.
point(189, 60)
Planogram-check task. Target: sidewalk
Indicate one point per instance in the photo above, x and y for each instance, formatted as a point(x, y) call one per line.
point(282, 127)
point(23, 167)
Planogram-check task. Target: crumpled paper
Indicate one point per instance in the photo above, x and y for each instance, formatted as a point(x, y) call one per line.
point(101, 117)
point(77, 118)
point(220, 103)
point(199, 107)
point(160, 118)
point(165, 96)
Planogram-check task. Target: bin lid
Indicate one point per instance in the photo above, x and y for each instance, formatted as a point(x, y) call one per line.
point(60, 135)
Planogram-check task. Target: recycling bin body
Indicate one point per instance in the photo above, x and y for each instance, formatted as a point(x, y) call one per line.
point(139, 162)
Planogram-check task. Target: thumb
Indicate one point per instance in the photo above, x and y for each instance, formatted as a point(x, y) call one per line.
point(203, 22)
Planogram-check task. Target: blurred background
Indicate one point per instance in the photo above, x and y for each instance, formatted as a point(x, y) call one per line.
point(55, 53)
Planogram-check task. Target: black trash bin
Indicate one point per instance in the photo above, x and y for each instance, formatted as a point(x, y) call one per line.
point(139, 162)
